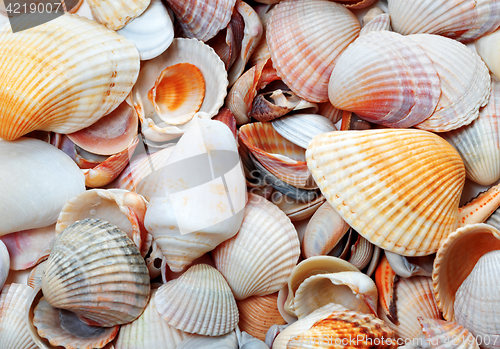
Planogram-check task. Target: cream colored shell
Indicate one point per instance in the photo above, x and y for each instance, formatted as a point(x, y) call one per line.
point(114, 14)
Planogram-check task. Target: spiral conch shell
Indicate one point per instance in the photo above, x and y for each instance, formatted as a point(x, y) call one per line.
point(204, 163)
point(399, 189)
point(62, 76)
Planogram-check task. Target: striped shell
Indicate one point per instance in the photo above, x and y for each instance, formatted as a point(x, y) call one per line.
point(399, 189)
point(114, 14)
point(443, 335)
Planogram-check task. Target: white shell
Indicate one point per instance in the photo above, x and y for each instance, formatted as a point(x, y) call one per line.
point(227, 341)
point(488, 47)
point(114, 14)
point(34, 192)
point(4, 263)
point(300, 129)
point(152, 32)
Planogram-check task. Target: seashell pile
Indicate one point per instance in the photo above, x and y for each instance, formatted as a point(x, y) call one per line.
point(266, 174)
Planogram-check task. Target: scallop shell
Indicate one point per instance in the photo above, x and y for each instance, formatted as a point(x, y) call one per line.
point(93, 262)
point(332, 325)
point(259, 259)
point(465, 82)
point(380, 22)
point(488, 48)
point(324, 230)
point(189, 51)
point(63, 328)
point(152, 32)
point(35, 276)
point(120, 207)
point(258, 314)
point(300, 129)
point(385, 279)
point(4, 263)
point(351, 289)
point(68, 93)
point(13, 332)
point(478, 142)
point(442, 334)
point(282, 158)
point(204, 163)
point(305, 37)
point(36, 192)
point(462, 20)
point(386, 79)
point(149, 331)
point(202, 19)
point(200, 301)
point(114, 14)
point(354, 170)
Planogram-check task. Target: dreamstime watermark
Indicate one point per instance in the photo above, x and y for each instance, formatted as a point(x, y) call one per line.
point(26, 14)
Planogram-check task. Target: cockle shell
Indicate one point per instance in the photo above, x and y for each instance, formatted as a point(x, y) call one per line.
point(149, 331)
point(152, 32)
point(67, 93)
point(442, 334)
point(333, 326)
point(305, 37)
point(204, 163)
point(259, 259)
point(462, 20)
point(188, 51)
point(4, 263)
point(351, 289)
point(200, 301)
point(93, 262)
point(385, 279)
point(376, 84)
point(35, 276)
point(380, 22)
point(13, 332)
point(402, 201)
point(114, 14)
point(258, 314)
point(120, 207)
point(465, 82)
point(488, 47)
point(478, 142)
point(202, 20)
point(35, 192)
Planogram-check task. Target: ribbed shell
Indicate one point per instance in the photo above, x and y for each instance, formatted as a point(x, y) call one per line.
point(258, 314)
point(479, 143)
point(332, 325)
point(385, 279)
point(149, 331)
point(414, 298)
point(462, 20)
point(52, 326)
point(4, 263)
point(96, 271)
point(114, 14)
point(74, 72)
point(386, 79)
point(200, 301)
point(447, 335)
point(477, 300)
point(399, 189)
point(202, 19)
point(305, 37)
point(380, 22)
point(13, 331)
point(300, 129)
point(465, 82)
point(260, 258)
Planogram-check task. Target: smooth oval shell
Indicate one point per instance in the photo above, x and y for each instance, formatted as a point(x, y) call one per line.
point(259, 259)
point(399, 189)
point(78, 71)
point(93, 262)
point(305, 37)
point(200, 301)
point(488, 48)
point(34, 192)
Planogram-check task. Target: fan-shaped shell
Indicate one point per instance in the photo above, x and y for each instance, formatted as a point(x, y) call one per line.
point(462, 20)
point(442, 334)
point(62, 76)
point(149, 331)
point(190, 51)
point(259, 259)
point(199, 301)
point(478, 143)
point(465, 82)
point(34, 191)
point(305, 37)
point(386, 79)
point(13, 332)
point(399, 189)
point(96, 271)
point(114, 14)
point(380, 22)
point(202, 19)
